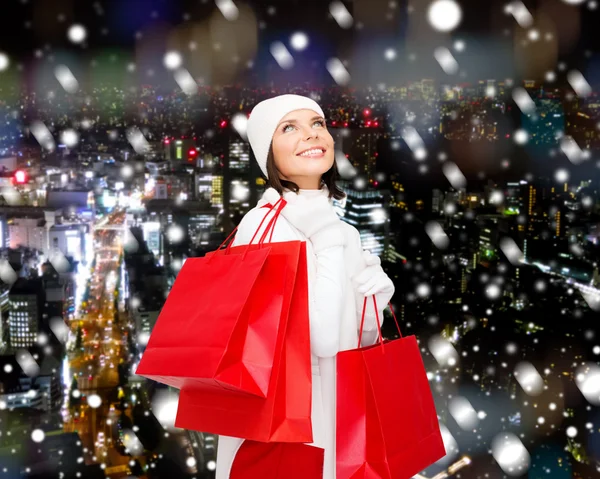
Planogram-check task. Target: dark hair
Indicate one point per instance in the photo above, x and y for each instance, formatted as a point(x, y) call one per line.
point(328, 178)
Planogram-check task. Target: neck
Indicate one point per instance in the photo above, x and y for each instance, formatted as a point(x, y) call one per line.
point(306, 183)
point(314, 192)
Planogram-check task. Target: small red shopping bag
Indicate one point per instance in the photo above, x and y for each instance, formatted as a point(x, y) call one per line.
point(285, 414)
point(222, 319)
point(387, 425)
point(259, 460)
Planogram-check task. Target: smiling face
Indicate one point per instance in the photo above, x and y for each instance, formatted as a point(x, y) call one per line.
point(303, 148)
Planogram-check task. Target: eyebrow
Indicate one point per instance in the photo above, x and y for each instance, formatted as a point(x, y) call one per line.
point(296, 121)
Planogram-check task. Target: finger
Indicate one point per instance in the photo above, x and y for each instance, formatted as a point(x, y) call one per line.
point(375, 289)
point(368, 285)
point(371, 292)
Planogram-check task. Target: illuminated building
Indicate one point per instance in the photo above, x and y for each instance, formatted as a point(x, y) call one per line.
point(179, 149)
point(531, 200)
point(491, 228)
point(4, 311)
point(41, 391)
point(28, 231)
point(26, 299)
point(437, 201)
point(69, 239)
point(360, 145)
point(152, 236)
point(238, 177)
point(514, 194)
point(368, 213)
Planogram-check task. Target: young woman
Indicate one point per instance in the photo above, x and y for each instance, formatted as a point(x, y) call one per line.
point(294, 150)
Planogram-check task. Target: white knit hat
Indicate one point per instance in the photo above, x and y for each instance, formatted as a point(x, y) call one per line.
point(265, 117)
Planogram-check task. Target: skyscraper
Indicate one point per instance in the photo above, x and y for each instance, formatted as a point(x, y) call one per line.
point(26, 299)
point(368, 212)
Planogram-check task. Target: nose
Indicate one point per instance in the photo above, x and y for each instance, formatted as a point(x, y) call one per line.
point(311, 133)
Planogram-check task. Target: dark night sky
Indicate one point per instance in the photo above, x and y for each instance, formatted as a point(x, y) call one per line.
point(124, 17)
point(42, 24)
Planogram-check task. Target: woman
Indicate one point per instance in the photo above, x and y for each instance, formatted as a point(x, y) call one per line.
point(294, 150)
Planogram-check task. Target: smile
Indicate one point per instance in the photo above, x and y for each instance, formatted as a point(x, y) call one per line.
point(313, 153)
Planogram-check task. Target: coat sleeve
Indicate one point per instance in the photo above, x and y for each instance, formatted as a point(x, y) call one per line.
point(325, 292)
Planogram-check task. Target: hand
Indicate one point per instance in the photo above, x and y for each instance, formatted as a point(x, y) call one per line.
point(370, 259)
point(372, 280)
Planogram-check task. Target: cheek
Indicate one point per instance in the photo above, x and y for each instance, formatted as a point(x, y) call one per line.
point(283, 151)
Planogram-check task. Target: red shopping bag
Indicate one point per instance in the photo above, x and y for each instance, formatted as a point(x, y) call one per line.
point(285, 414)
point(260, 460)
point(387, 425)
point(221, 321)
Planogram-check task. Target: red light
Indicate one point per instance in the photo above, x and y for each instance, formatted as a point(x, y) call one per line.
point(192, 152)
point(167, 141)
point(346, 123)
point(20, 176)
point(376, 123)
point(223, 124)
point(333, 123)
point(369, 123)
point(367, 112)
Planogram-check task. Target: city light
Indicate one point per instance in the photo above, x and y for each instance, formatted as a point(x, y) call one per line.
point(475, 197)
point(20, 177)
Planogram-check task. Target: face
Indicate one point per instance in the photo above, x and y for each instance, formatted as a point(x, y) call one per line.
point(303, 148)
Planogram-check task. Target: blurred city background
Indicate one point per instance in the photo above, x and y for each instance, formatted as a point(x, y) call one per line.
point(467, 140)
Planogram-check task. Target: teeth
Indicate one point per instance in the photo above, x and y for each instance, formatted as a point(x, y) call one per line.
point(312, 152)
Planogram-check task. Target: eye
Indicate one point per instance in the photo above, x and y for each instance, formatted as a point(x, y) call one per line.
point(320, 122)
point(285, 128)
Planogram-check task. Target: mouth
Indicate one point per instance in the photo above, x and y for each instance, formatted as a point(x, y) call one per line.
point(314, 152)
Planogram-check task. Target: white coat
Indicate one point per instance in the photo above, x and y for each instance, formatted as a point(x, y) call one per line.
point(332, 296)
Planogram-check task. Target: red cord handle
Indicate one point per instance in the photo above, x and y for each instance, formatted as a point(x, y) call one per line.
point(270, 226)
point(362, 321)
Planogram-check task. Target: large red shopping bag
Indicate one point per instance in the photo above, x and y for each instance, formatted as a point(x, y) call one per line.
point(387, 426)
point(280, 460)
point(221, 321)
point(285, 414)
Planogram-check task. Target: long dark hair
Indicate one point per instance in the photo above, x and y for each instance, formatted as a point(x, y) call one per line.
point(328, 179)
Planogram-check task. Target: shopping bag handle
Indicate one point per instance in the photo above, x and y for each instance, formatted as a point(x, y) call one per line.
point(270, 225)
point(280, 203)
point(362, 321)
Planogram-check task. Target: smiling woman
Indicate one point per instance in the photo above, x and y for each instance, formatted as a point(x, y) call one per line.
point(295, 152)
point(302, 155)
point(303, 148)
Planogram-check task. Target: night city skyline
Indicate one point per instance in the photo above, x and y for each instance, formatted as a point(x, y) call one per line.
point(469, 152)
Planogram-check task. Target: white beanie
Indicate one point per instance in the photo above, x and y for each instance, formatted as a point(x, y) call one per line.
point(265, 117)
